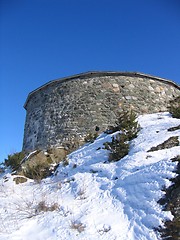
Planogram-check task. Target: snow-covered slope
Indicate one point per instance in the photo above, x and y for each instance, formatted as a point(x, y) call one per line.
point(92, 198)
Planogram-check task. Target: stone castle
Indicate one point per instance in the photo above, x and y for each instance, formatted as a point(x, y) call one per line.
point(67, 109)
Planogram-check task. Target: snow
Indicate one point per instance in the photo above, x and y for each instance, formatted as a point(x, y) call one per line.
point(96, 199)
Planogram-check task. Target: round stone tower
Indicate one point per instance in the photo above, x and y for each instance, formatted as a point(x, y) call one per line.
point(69, 108)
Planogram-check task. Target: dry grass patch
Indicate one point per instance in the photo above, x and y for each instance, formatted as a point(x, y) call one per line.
point(76, 225)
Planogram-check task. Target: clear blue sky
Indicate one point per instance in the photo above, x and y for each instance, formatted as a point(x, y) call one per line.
point(41, 40)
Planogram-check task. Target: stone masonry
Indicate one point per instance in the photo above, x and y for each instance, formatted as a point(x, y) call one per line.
point(66, 110)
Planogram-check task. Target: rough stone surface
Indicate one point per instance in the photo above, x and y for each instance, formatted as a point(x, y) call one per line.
point(65, 110)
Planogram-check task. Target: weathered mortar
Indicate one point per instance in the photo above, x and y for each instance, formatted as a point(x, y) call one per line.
point(69, 108)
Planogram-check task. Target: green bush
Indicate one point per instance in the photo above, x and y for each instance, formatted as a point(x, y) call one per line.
point(174, 107)
point(119, 147)
point(126, 123)
point(14, 160)
point(128, 127)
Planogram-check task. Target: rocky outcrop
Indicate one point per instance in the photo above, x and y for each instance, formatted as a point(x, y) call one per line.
point(171, 142)
point(171, 202)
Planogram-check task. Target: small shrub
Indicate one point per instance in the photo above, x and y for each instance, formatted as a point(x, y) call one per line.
point(14, 160)
point(76, 225)
point(128, 127)
point(91, 137)
point(43, 207)
point(174, 107)
point(81, 194)
point(126, 123)
point(119, 147)
point(105, 228)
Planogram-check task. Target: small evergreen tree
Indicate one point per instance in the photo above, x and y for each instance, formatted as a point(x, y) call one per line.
point(119, 147)
point(128, 124)
point(128, 127)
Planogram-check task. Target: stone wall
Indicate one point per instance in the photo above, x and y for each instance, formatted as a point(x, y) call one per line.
point(69, 108)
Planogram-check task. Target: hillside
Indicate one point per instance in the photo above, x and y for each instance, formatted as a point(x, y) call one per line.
point(91, 198)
